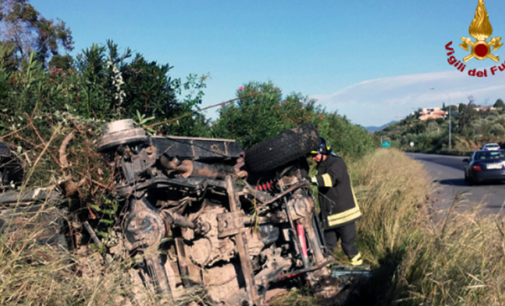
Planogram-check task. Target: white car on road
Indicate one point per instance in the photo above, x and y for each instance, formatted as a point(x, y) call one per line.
point(491, 147)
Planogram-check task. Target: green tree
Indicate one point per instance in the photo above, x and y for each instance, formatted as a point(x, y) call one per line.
point(256, 118)
point(64, 62)
point(497, 130)
point(467, 116)
point(499, 103)
point(117, 85)
point(23, 26)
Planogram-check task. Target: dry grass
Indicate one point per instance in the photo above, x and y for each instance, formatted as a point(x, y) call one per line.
point(391, 190)
point(34, 274)
point(458, 260)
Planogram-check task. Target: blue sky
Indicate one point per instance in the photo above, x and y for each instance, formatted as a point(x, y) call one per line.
point(372, 61)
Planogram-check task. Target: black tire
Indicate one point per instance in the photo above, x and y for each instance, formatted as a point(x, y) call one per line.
point(282, 149)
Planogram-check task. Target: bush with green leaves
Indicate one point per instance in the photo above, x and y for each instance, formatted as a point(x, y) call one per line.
point(497, 130)
point(104, 85)
point(255, 118)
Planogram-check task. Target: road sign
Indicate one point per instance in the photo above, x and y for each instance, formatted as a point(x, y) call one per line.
point(386, 144)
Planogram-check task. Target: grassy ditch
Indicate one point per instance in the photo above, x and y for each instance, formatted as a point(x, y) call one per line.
point(459, 260)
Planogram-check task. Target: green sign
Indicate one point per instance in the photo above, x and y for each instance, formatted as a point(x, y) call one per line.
point(386, 144)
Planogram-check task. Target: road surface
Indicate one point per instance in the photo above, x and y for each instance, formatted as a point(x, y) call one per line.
point(449, 178)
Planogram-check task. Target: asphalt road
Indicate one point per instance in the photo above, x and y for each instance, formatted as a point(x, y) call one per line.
point(449, 178)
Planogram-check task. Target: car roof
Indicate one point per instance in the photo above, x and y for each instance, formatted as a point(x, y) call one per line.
point(492, 144)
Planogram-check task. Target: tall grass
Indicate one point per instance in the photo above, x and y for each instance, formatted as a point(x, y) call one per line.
point(34, 274)
point(391, 190)
point(457, 260)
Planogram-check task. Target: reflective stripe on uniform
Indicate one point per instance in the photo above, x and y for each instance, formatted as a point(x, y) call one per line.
point(357, 257)
point(345, 216)
point(355, 201)
point(327, 180)
point(356, 260)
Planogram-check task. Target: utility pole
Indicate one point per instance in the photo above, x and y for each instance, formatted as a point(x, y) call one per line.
point(450, 125)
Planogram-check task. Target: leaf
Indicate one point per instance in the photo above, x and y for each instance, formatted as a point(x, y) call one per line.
point(108, 211)
point(95, 207)
point(102, 234)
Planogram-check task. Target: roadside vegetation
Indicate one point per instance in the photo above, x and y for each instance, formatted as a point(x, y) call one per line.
point(472, 126)
point(457, 260)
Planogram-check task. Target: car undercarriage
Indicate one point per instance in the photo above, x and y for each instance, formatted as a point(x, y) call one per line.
point(202, 212)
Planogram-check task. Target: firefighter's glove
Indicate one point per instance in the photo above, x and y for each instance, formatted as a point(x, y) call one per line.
point(313, 180)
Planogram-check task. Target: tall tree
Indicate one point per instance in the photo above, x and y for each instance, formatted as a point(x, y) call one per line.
point(22, 25)
point(499, 103)
point(468, 115)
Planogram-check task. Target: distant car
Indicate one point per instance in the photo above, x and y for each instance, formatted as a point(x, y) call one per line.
point(491, 147)
point(485, 166)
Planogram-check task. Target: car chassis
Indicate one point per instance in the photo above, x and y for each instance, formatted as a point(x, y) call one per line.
point(193, 215)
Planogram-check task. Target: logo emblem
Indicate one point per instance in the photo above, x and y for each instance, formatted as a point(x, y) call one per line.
point(481, 29)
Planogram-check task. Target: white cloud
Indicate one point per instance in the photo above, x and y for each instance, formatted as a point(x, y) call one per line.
point(378, 101)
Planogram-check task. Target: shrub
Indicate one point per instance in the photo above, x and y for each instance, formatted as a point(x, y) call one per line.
point(497, 130)
point(103, 85)
point(255, 118)
point(449, 257)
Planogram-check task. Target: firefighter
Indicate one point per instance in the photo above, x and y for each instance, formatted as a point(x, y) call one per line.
point(337, 202)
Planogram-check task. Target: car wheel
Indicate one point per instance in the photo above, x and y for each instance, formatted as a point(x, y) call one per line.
point(282, 149)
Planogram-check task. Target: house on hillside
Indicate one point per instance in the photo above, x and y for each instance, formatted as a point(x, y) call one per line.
point(485, 108)
point(428, 111)
point(433, 115)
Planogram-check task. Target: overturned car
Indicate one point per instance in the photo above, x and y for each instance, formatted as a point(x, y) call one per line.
point(202, 212)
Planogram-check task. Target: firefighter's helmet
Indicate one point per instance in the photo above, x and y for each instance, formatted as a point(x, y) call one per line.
point(323, 148)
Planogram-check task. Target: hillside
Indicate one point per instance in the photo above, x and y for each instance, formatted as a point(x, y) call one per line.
point(472, 125)
point(372, 129)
